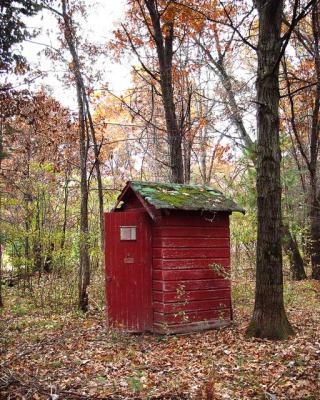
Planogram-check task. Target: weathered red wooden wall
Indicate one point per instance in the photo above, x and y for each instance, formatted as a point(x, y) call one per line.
point(128, 272)
point(187, 294)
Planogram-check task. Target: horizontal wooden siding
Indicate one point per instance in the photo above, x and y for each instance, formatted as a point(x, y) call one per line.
point(189, 291)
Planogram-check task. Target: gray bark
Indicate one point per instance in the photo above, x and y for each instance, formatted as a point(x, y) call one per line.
point(1, 156)
point(269, 318)
point(314, 153)
point(164, 45)
point(291, 248)
point(84, 267)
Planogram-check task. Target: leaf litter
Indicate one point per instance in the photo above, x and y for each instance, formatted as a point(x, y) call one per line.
point(67, 356)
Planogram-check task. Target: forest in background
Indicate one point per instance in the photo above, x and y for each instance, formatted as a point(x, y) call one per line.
point(222, 93)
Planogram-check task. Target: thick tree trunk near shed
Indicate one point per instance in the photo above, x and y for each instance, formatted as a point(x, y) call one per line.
point(269, 318)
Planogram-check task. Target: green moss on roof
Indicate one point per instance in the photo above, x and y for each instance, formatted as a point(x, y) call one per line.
point(184, 197)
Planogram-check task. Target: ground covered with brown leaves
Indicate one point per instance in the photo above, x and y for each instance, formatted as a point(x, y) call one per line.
point(61, 356)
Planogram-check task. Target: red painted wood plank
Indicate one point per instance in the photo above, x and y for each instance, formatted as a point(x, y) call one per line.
point(218, 252)
point(190, 243)
point(191, 231)
point(195, 219)
point(129, 284)
point(201, 284)
point(200, 305)
point(198, 263)
point(191, 295)
point(185, 274)
point(157, 285)
point(191, 316)
point(133, 203)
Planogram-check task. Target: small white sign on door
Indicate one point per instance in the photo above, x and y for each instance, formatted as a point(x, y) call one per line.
point(128, 233)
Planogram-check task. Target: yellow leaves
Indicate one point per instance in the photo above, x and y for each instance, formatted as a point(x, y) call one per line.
point(112, 120)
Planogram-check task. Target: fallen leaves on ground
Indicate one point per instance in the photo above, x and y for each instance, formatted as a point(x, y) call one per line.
point(73, 357)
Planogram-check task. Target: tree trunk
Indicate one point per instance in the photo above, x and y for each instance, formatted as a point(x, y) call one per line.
point(96, 150)
point(48, 259)
point(65, 210)
point(187, 147)
point(27, 250)
point(1, 299)
point(314, 153)
point(269, 318)
point(164, 45)
point(27, 223)
point(84, 268)
point(37, 245)
point(87, 113)
point(1, 239)
point(315, 237)
point(290, 246)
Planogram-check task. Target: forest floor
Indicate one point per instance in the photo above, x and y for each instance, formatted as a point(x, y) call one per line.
point(55, 355)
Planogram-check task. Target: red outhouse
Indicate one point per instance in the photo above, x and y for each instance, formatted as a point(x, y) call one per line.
point(167, 248)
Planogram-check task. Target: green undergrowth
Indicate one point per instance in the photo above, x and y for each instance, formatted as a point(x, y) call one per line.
point(47, 310)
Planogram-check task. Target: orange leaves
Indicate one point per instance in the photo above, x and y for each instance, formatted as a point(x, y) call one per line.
point(43, 134)
point(222, 152)
point(120, 36)
point(203, 122)
point(139, 26)
point(112, 121)
point(170, 13)
point(184, 17)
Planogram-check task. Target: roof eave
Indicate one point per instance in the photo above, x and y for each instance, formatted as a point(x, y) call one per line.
point(121, 195)
point(151, 210)
point(229, 210)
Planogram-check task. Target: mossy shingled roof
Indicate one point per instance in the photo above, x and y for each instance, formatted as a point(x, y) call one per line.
point(184, 197)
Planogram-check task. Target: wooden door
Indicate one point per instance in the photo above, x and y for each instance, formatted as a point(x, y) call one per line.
point(128, 270)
